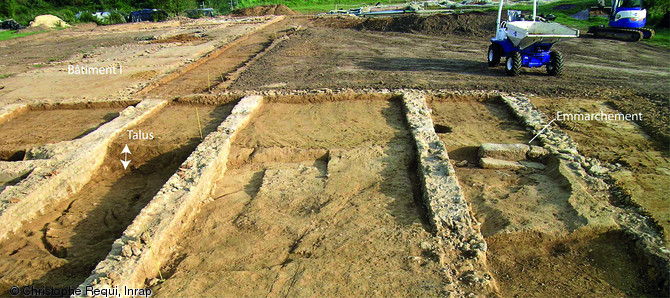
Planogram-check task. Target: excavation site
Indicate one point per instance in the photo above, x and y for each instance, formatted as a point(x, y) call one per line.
point(320, 192)
point(61, 246)
point(270, 152)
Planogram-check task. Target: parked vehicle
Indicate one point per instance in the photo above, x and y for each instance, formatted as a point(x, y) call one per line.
point(527, 43)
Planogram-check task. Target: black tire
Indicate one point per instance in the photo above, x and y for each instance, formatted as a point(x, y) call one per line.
point(494, 54)
point(513, 64)
point(555, 66)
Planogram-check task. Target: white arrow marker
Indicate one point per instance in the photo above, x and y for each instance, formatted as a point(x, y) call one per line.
point(125, 162)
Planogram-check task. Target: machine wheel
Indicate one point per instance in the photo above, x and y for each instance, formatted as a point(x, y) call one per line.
point(555, 66)
point(513, 65)
point(494, 55)
point(647, 33)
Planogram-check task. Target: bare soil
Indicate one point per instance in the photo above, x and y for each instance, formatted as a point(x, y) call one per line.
point(182, 37)
point(539, 245)
point(474, 24)
point(265, 10)
point(56, 46)
point(38, 127)
point(324, 57)
point(318, 199)
point(591, 263)
point(645, 165)
point(141, 60)
point(632, 75)
point(320, 192)
point(62, 246)
point(208, 75)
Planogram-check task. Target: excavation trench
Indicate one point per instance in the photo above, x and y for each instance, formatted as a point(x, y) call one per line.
point(208, 75)
point(318, 198)
point(643, 165)
point(545, 237)
point(50, 124)
point(60, 247)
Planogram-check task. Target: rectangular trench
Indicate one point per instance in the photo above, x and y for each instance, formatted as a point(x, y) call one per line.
point(319, 198)
point(60, 247)
point(643, 164)
point(39, 125)
point(540, 241)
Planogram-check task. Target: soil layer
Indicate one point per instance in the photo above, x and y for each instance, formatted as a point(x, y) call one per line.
point(39, 127)
point(211, 73)
point(318, 199)
point(62, 246)
point(539, 245)
point(583, 264)
point(644, 171)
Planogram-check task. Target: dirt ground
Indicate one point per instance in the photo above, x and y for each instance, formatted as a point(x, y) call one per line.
point(527, 216)
point(645, 167)
point(320, 193)
point(215, 71)
point(280, 9)
point(39, 127)
point(62, 246)
point(329, 56)
point(326, 57)
point(21, 57)
point(135, 55)
point(321, 204)
point(582, 264)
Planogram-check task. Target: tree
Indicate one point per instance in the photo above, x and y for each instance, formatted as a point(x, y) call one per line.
point(174, 6)
point(8, 8)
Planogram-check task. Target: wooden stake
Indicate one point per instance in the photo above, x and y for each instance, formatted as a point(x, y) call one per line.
point(197, 115)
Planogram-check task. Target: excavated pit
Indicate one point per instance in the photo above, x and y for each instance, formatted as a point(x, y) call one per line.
point(48, 124)
point(643, 164)
point(318, 198)
point(60, 247)
point(540, 242)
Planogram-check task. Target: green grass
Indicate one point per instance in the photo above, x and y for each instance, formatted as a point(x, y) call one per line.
point(6, 76)
point(662, 38)
point(6, 35)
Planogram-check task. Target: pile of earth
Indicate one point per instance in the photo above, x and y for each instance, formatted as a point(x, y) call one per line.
point(183, 38)
point(338, 21)
point(476, 24)
point(265, 10)
point(49, 21)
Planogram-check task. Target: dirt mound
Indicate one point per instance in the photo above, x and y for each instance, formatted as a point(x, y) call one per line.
point(468, 24)
point(183, 38)
point(338, 21)
point(39, 28)
point(48, 20)
point(265, 10)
